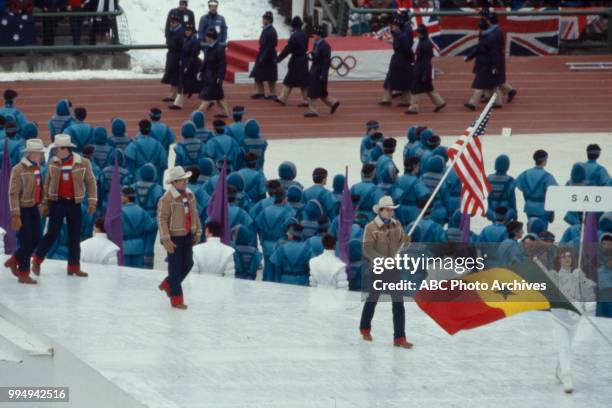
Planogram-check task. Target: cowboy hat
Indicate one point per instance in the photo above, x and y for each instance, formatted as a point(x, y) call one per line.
point(176, 174)
point(384, 202)
point(62, 140)
point(35, 146)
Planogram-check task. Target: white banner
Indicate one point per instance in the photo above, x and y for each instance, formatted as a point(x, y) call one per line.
point(578, 198)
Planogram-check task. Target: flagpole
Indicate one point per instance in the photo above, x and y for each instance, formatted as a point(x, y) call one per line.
point(573, 303)
point(450, 167)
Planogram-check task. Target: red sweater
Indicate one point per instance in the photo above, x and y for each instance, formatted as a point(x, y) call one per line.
point(66, 186)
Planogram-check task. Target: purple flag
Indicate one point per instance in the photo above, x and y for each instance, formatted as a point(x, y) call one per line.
point(112, 219)
point(589, 252)
point(218, 207)
point(465, 228)
point(346, 222)
point(10, 240)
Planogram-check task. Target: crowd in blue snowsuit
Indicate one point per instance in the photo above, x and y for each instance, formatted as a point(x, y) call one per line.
point(288, 220)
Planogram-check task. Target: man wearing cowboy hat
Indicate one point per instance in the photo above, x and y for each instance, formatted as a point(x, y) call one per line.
point(69, 181)
point(25, 195)
point(383, 238)
point(180, 230)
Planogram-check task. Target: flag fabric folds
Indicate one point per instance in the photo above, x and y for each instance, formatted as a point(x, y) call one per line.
point(112, 218)
point(346, 222)
point(218, 208)
point(10, 240)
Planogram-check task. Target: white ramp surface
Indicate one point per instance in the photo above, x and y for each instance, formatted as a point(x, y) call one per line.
point(256, 344)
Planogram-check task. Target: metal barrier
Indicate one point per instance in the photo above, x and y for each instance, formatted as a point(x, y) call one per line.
point(350, 8)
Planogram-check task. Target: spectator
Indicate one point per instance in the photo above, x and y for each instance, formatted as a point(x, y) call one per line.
point(50, 23)
point(76, 23)
point(359, 23)
point(101, 25)
point(215, 21)
point(20, 6)
point(99, 249)
point(213, 256)
point(327, 269)
point(183, 13)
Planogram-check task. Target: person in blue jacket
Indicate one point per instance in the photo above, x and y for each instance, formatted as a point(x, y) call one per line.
point(453, 231)
point(316, 241)
point(492, 235)
point(215, 21)
point(62, 118)
point(2, 125)
point(242, 199)
point(146, 149)
point(270, 227)
point(223, 146)
point(533, 183)
point(103, 153)
point(291, 259)
point(355, 264)
point(596, 174)
point(254, 181)
point(30, 131)
point(238, 216)
point(408, 191)
point(15, 145)
point(294, 199)
point(338, 186)
point(369, 193)
point(434, 169)
point(430, 231)
point(81, 133)
point(385, 164)
point(126, 178)
point(572, 234)
point(254, 142)
point(369, 141)
point(198, 118)
point(271, 187)
point(287, 172)
point(88, 153)
point(577, 178)
point(190, 150)
point(236, 129)
point(312, 211)
point(604, 277)
point(511, 250)
point(207, 169)
point(148, 192)
point(247, 257)
point(433, 142)
point(412, 136)
point(420, 146)
point(320, 193)
point(160, 130)
point(502, 189)
point(9, 108)
point(119, 138)
point(136, 225)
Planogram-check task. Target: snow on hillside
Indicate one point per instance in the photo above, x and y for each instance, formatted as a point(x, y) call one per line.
point(146, 19)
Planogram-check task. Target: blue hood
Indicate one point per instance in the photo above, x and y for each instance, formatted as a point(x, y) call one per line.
point(188, 131)
point(118, 127)
point(535, 225)
point(435, 164)
point(62, 108)
point(236, 180)
point(338, 183)
point(578, 174)
point(30, 131)
point(425, 135)
point(251, 129)
point(148, 172)
point(198, 119)
point(605, 222)
point(294, 194)
point(206, 166)
point(313, 209)
point(242, 235)
point(502, 164)
point(455, 221)
point(441, 151)
point(412, 136)
point(100, 136)
point(287, 170)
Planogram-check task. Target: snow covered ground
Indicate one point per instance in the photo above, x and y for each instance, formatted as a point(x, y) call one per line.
point(146, 21)
point(267, 345)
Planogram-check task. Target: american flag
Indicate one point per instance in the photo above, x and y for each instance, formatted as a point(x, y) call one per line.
point(16, 30)
point(525, 35)
point(470, 165)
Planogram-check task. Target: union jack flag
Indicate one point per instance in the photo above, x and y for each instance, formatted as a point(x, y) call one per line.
point(469, 165)
point(572, 27)
point(525, 35)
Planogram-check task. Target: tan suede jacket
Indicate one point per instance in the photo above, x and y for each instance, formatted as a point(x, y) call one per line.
point(171, 216)
point(380, 240)
point(22, 186)
point(82, 179)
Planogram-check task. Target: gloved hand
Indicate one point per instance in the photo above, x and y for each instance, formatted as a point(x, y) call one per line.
point(195, 241)
point(407, 239)
point(91, 209)
point(169, 246)
point(44, 210)
point(16, 222)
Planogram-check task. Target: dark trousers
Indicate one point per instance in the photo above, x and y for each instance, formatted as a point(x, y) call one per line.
point(49, 28)
point(179, 264)
point(58, 210)
point(399, 314)
point(76, 24)
point(28, 236)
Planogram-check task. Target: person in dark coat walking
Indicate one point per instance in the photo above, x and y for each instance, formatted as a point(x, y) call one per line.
point(265, 69)
point(184, 15)
point(174, 41)
point(319, 73)
point(422, 81)
point(399, 75)
point(189, 67)
point(297, 74)
point(212, 75)
point(503, 88)
point(483, 65)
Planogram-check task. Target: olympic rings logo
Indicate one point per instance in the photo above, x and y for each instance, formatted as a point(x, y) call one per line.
point(342, 66)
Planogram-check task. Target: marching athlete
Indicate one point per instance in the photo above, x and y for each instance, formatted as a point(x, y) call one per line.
point(319, 73)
